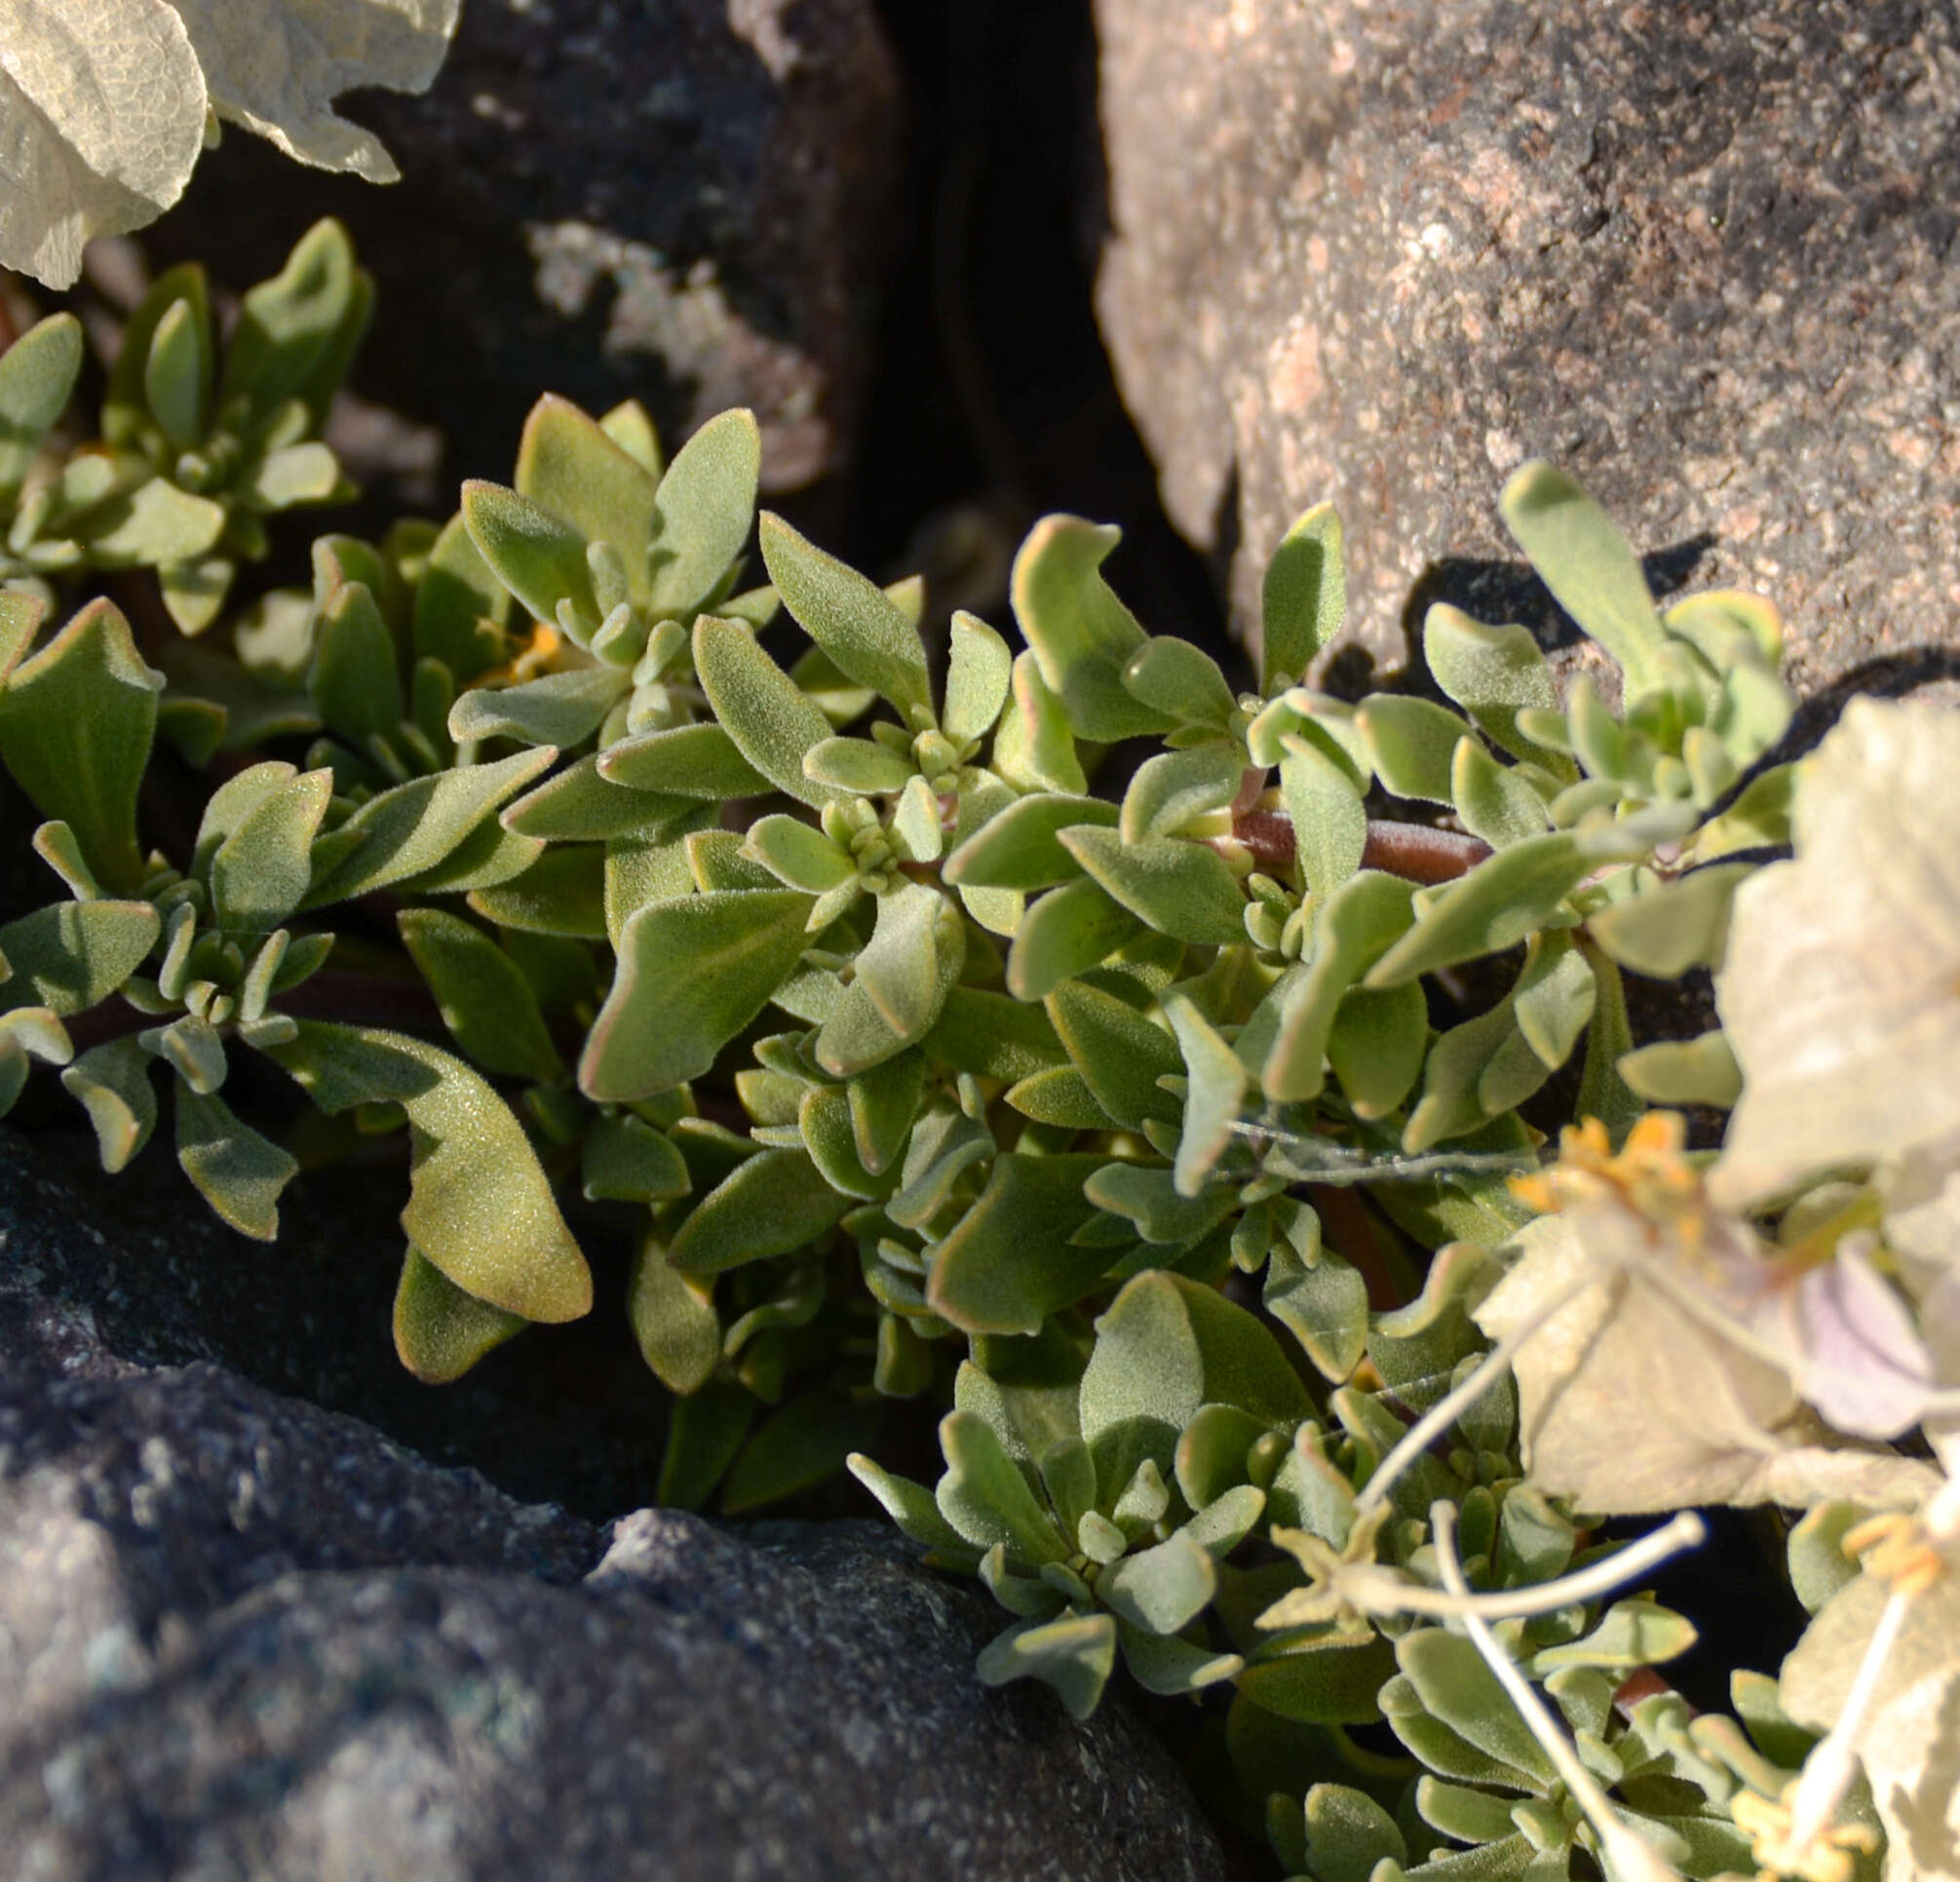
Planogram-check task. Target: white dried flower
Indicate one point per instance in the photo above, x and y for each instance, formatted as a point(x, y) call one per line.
point(1841, 994)
point(103, 103)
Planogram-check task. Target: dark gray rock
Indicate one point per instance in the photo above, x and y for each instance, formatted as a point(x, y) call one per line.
point(1382, 250)
point(242, 1637)
point(137, 1269)
point(683, 201)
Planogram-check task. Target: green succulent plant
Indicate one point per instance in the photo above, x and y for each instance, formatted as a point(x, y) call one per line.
point(1159, 1139)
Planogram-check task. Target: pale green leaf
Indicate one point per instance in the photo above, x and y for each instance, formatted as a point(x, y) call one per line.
point(480, 1206)
point(692, 973)
point(566, 464)
point(1063, 934)
point(977, 678)
point(37, 379)
point(1008, 1265)
point(862, 630)
point(538, 557)
point(414, 827)
point(1175, 788)
point(1501, 901)
point(703, 508)
point(1080, 635)
point(561, 709)
point(1019, 849)
point(486, 1002)
point(1183, 889)
point(773, 1202)
point(1303, 598)
point(76, 720)
point(238, 1171)
point(774, 725)
point(1587, 564)
point(440, 1331)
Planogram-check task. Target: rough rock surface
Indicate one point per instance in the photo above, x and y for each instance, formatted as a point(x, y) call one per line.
point(145, 1271)
point(243, 1637)
point(677, 200)
point(1382, 250)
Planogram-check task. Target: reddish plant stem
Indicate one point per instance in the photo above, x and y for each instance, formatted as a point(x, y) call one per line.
point(1415, 851)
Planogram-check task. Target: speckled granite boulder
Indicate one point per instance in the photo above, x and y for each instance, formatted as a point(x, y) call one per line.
point(678, 200)
point(242, 1637)
point(1382, 250)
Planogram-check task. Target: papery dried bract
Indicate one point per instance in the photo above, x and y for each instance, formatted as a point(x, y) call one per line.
point(277, 69)
point(1840, 994)
point(101, 118)
point(1714, 1423)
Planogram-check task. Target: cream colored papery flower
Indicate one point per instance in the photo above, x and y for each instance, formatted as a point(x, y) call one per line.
point(276, 67)
point(104, 103)
point(101, 117)
point(1840, 992)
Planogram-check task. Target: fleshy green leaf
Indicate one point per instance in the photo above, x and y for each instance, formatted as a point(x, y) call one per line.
point(1166, 1347)
point(460, 606)
point(1019, 848)
point(1215, 1081)
point(687, 762)
point(1493, 673)
point(561, 709)
point(1303, 598)
point(579, 805)
point(1376, 1045)
point(993, 1036)
point(1586, 563)
point(902, 979)
point(1411, 742)
point(1119, 1053)
point(702, 513)
point(414, 827)
point(773, 724)
point(978, 680)
point(1357, 925)
point(1009, 1263)
point(480, 1206)
point(440, 1331)
point(1033, 747)
point(1500, 902)
point(537, 556)
point(354, 679)
point(863, 631)
point(1074, 1656)
point(1684, 1071)
point(1330, 823)
point(1161, 1590)
point(1080, 635)
point(238, 1171)
point(76, 721)
point(859, 767)
point(1324, 1306)
point(112, 1084)
point(1183, 889)
point(37, 379)
point(562, 892)
point(1184, 682)
point(674, 1319)
point(1066, 932)
point(486, 1002)
point(692, 973)
point(1493, 800)
point(567, 465)
point(73, 955)
point(260, 872)
point(1666, 928)
point(771, 1203)
point(626, 1160)
point(1174, 787)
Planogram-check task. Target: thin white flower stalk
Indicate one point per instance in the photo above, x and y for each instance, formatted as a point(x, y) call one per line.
point(1628, 1856)
point(1832, 1764)
point(1439, 1418)
point(1913, 1553)
point(1373, 1588)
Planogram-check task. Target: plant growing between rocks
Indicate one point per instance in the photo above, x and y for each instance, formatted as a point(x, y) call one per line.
point(1183, 1146)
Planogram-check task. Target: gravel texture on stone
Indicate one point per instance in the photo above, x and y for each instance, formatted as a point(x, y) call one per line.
point(683, 201)
point(243, 1637)
point(136, 1268)
point(1384, 250)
